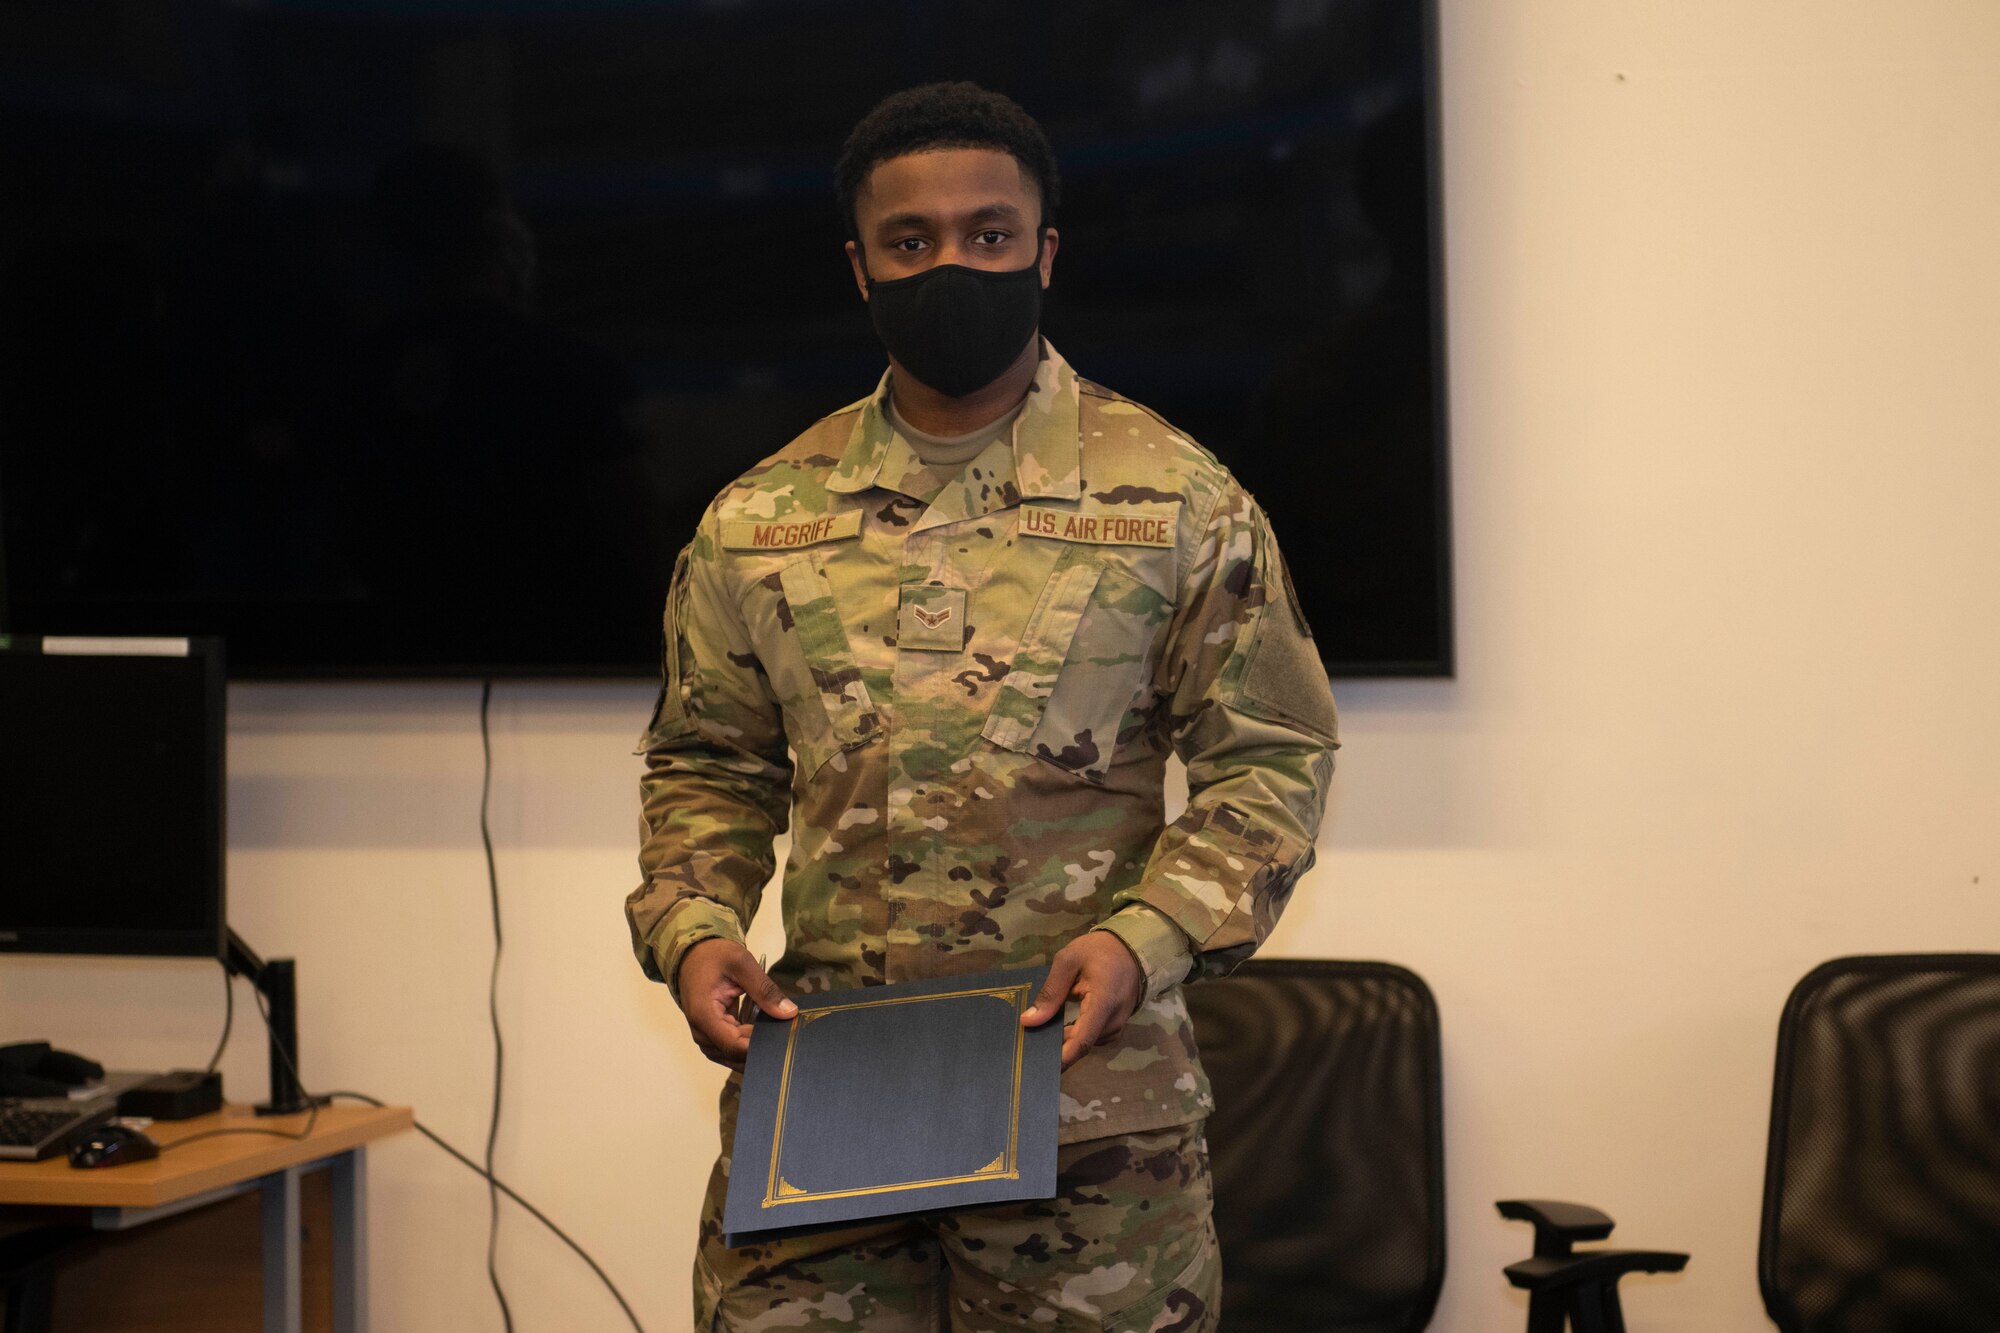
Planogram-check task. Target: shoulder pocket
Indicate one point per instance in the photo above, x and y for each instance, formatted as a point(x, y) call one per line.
point(1082, 660)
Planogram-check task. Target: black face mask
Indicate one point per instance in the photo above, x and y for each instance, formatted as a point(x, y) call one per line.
point(957, 328)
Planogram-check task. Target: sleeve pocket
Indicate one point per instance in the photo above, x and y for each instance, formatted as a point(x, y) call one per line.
point(1285, 680)
point(671, 716)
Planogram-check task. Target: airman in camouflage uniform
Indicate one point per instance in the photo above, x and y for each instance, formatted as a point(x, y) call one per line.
point(961, 692)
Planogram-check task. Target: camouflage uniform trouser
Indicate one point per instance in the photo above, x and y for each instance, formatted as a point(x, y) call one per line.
point(1126, 1246)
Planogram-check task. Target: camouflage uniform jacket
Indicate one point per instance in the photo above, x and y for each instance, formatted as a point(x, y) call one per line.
point(979, 685)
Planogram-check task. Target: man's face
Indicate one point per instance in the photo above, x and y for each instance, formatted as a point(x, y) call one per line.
point(969, 206)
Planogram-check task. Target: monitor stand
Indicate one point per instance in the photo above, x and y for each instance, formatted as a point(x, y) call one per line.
point(276, 981)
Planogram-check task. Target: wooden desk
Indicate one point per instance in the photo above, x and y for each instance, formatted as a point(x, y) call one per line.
point(179, 1180)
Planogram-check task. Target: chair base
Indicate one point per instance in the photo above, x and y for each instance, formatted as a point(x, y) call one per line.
point(1587, 1307)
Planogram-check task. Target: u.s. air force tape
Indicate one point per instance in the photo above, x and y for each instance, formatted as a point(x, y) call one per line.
point(1124, 525)
point(782, 534)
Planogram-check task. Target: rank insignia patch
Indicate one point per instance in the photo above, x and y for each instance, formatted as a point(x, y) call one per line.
point(931, 618)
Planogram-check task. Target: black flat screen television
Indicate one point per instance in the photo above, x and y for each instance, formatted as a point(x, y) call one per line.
point(111, 797)
point(410, 337)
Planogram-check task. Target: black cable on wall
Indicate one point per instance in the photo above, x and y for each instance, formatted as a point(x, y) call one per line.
point(492, 1004)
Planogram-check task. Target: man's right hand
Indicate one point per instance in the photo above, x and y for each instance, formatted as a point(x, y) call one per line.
point(715, 974)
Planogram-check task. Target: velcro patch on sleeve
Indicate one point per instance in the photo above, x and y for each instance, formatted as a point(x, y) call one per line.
point(1120, 525)
point(784, 534)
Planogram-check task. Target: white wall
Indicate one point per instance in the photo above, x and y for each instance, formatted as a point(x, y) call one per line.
point(1725, 308)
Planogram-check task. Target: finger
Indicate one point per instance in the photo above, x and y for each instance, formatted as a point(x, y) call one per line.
point(715, 1038)
point(719, 1057)
point(716, 1023)
point(757, 984)
point(1063, 972)
point(729, 1048)
point(1088, 1029)
point(711, 1051)
point(1116, 1016)
point(738, 1049)
point(1072, 1049)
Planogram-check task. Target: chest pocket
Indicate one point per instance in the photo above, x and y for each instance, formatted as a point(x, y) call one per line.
point(1084, 655)
point(803, 646)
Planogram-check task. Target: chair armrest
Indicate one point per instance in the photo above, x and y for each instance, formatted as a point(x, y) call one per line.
point(1557, 1225)
point(1552, 1270)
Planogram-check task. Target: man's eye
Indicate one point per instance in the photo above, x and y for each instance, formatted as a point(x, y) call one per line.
point(909, 245)
point(991, 237)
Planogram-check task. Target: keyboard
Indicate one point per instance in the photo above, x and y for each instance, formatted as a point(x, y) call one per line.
point(32, 1128)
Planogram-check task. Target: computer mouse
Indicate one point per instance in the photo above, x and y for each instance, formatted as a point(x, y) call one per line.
point(111, 1145)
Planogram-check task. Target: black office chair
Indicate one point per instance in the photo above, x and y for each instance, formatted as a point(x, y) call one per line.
point(1882, 1179)
point(1882, 1183)
point(1327, 1145)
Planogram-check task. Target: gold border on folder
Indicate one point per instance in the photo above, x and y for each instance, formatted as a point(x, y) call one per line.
point(778, 1190)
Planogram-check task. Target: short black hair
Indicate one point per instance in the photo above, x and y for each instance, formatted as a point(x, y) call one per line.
point(944, 115)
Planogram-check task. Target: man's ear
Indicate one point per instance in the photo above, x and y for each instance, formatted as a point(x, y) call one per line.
point(861, 275)
point(1051, 239)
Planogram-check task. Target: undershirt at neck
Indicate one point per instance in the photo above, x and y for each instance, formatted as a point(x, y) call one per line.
point(942, 451)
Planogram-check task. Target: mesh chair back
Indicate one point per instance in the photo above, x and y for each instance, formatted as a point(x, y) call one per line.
point(1882, 1184)
point(1327, 1144)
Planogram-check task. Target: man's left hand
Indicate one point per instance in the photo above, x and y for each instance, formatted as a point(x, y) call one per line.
point(1100, 971)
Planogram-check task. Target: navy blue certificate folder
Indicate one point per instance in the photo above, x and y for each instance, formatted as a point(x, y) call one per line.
point(895, 1099)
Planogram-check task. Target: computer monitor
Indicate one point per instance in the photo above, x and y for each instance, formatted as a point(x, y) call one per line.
point(111, 797)
point(112, 815)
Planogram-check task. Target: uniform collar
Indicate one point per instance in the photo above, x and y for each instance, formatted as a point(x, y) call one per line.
point(1048, 462)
